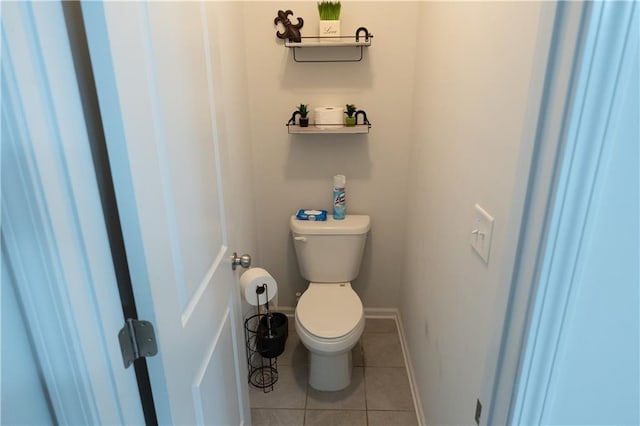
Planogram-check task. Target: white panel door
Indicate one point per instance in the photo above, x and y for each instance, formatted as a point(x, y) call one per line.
point(153, 65)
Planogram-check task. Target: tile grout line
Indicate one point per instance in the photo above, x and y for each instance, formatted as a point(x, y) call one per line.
point(364, 383)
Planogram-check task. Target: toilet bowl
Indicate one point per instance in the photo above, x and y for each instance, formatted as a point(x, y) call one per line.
point(329, 317)
point(329, 321)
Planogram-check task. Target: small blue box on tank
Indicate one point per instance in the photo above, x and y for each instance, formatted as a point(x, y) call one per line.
point(310, 214)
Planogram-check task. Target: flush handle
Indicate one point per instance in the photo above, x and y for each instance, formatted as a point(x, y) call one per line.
point(301, 239)
point(244, 260)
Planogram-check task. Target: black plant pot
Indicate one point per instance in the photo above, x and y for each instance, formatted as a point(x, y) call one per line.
point(271, 335)
point(304, 122)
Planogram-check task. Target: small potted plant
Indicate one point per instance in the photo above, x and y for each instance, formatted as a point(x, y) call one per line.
point(350, 121)
point(329, 12)
point(303, 109)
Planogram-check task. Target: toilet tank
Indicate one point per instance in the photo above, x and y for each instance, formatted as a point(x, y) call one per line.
point(330, 251)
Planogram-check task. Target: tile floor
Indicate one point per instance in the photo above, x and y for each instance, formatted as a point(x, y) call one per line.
point(379, 394)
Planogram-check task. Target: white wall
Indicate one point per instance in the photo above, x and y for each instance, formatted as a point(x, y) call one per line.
point(293, 171)
point(472, 85)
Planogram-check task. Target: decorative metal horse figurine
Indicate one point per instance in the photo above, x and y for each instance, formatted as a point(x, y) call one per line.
point(291, 30)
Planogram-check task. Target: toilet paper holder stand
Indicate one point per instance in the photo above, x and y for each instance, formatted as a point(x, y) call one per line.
point(265, 337)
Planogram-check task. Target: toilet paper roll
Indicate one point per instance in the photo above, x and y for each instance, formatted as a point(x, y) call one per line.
point(253, 279)
point(329, 115)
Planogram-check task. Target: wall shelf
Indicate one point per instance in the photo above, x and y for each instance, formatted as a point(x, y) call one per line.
point(327, 42)
point(324, 128)
point(329, 129)
point(358, 42)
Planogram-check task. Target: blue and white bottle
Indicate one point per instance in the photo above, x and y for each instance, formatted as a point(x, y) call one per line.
point(339, 198)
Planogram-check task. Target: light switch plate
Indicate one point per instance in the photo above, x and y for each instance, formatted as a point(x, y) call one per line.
point(482, 232)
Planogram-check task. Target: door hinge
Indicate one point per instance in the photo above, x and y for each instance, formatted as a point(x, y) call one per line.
point(137, 340)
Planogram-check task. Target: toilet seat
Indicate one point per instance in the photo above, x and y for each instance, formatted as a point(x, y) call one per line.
point(329, 311)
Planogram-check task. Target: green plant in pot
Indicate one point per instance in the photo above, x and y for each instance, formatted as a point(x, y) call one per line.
point(350, 121)
point(329, 12)
point(303, 109)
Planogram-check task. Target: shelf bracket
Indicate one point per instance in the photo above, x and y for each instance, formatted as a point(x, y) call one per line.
point(366, 34)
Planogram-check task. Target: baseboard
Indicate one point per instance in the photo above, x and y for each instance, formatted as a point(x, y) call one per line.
point(287, 310)
point(381, 313)
point(393, 314)
point(410, 372)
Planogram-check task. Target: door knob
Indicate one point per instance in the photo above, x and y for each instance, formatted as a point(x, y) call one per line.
point(244, 261)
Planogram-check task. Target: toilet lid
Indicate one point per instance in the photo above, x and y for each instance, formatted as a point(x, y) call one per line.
point(329, 310)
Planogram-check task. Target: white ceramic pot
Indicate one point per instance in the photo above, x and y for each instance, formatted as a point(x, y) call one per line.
point(329, 29)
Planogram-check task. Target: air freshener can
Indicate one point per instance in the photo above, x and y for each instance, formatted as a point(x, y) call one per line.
point(339, 198)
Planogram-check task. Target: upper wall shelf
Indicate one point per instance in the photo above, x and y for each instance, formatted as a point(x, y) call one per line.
point(328, 42)
point(358, 42)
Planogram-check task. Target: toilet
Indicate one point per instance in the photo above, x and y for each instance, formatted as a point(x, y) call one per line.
point(329, 316)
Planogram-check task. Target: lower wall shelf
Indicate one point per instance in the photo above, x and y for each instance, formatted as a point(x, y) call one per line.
point(325, 129)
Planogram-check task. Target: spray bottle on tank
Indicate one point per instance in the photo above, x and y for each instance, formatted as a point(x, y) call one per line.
point(339, 199)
